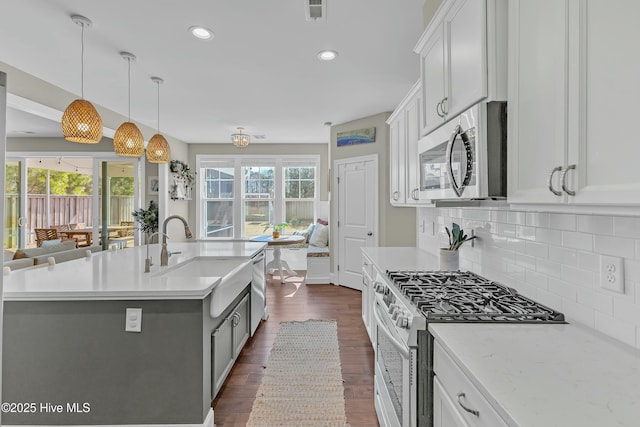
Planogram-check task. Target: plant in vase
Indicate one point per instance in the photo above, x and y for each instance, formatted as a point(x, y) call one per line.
point(147, 219)
point(449, 257)
point(277, 229)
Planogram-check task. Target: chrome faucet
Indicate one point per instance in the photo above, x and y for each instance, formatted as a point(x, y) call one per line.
point(148, 261)
point(164, 253)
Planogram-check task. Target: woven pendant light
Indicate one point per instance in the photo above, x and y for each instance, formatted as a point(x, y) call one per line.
point(158, 150)
point(128, 140)
point(80, 121)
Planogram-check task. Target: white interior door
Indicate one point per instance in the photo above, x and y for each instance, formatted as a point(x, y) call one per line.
point(357, 186)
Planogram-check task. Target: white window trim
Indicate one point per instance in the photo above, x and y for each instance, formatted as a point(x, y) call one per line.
point(277, 161)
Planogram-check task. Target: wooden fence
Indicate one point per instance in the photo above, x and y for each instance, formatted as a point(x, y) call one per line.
point(67, 209)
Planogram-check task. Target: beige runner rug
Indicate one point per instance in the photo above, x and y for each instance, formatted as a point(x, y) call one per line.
point(302, 383)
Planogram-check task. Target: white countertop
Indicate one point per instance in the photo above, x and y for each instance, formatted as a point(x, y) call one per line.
point(548, 375)
point(119, 275)
point(401, 258)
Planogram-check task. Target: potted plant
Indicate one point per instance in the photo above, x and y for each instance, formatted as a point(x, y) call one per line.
point(277, 229)
point(449, 257)
point(147, 219)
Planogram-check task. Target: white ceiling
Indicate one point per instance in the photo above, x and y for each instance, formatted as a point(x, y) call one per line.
point(259, 72)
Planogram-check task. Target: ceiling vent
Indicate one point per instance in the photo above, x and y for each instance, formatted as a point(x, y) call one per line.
point(315, 10)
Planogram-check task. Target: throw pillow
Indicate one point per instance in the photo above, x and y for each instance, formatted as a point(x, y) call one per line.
point(320, 236)
point(8, 255)
point(322, 221)
point(49, 243)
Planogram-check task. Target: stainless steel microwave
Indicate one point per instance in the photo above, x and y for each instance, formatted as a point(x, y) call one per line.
point(466, 158)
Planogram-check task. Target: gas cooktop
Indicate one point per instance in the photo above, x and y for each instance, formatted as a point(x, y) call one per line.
point(443, 296)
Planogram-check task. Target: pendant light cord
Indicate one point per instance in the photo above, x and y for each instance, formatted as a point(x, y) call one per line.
point(129, 63)
point(158, 83)
point(82, 62)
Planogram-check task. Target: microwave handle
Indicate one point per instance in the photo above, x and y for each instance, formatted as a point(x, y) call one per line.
point(459, 189)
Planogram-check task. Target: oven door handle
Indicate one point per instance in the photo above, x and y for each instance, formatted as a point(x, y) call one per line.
point(396, 343)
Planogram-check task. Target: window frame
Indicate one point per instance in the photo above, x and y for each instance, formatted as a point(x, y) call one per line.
point(279, 162)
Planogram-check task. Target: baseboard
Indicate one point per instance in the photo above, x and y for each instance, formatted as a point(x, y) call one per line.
point(208, 422)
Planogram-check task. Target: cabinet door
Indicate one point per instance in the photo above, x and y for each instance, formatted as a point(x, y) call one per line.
point(466, 69)
point(445, 414)
point(411, 159)
point(432, 60)
point(604, 147)
point(397, 194)
point(537, 99)
point(222, 353)
point(241, 326)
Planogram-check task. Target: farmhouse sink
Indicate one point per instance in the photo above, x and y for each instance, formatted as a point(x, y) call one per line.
point(235, 275)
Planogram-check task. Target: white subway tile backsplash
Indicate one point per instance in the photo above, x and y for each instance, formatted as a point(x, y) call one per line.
point(588, 261)
point(616, 246)
point(524, 232)
point(596, 300)
point(563, 289)
point(536, 279)
point(582, 241)
point(564, 256)
point(537, 219)
point(553, 258)
point(595, 224)
point(626, 227)
point(626, 311)
point(576, 312)
point(615, 328)
point(562, 222)
point(550, 268)
point(545, 235)
point(538, 250)
point(583, 278)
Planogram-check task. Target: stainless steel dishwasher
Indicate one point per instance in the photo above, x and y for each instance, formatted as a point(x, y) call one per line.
point(258, 291)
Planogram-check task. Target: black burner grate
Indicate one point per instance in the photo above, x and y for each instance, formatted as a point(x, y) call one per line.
point(466, 297)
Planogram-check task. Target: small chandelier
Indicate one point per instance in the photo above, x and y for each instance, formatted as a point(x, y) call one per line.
point(128, 140)
point(158, 150)
point(80, 121)
point(240, 140)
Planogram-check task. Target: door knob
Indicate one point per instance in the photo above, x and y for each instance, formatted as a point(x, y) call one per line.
point(369, 234)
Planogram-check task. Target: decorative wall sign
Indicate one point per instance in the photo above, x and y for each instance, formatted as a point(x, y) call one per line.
point(360, 136)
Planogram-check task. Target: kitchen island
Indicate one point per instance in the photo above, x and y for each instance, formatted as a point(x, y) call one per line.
point(65, 342)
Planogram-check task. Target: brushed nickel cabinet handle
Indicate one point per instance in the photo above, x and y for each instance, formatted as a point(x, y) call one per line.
point(564, 181)
point(461, 396)
point(413, 194)
point(396, 196)
point(553, 190)
point(442, 106)
point(438, 109)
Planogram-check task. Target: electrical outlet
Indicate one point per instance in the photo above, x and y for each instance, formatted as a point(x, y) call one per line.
point(612, 273)
point(133, 320)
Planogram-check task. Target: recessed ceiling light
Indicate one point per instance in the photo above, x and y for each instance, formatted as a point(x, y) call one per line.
point(201, 33)
point(327, 55)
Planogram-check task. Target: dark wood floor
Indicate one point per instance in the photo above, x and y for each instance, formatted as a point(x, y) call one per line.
point(296, 300)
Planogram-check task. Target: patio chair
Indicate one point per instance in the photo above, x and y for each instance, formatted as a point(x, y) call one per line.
point(43, 234)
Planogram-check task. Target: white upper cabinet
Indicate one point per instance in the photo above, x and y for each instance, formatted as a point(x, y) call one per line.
point(462, 59)
point(404, 131)
point(573, 91)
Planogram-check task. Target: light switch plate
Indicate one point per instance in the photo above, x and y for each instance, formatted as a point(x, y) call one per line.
point(612, 273)
point(133, 320)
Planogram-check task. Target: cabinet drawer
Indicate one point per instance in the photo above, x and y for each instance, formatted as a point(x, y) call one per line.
point(461, 391)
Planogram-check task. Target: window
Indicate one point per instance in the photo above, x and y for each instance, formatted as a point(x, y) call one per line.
point(244, 196)
point(218, 201)
point(299, 196)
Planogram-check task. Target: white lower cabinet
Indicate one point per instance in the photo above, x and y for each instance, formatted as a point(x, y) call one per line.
point(368, 294)
point(227, 342)
point(457, 402)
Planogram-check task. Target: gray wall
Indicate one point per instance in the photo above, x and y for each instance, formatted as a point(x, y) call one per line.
point(59, 352)
point(397, 225)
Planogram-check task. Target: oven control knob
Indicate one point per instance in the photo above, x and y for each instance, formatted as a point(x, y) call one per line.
point(403, 321)
point(379, 287)
point(393, 308)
